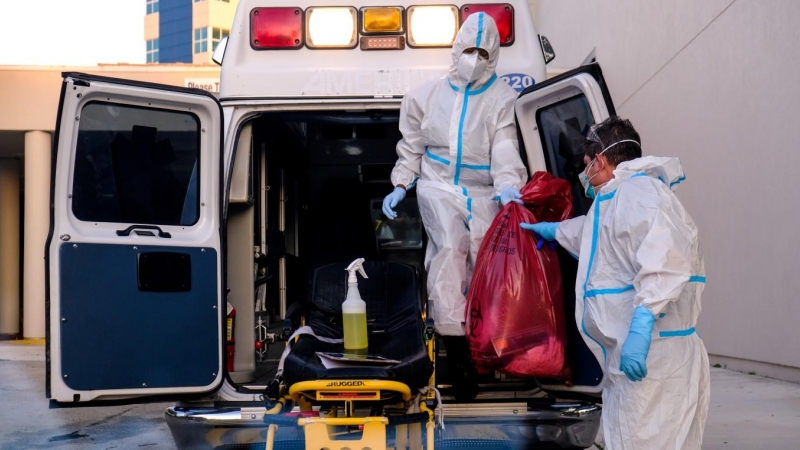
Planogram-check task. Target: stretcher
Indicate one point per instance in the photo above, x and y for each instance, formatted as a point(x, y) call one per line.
point(364, 407)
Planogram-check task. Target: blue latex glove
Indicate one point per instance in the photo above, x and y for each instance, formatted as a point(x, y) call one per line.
point(510, 194)
point(633, 358)
point(545, 230)
point(391, 200)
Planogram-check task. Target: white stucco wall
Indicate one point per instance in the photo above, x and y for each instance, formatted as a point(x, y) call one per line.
point(714, 83)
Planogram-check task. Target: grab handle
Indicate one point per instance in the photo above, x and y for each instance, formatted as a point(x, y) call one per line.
point(127, 231)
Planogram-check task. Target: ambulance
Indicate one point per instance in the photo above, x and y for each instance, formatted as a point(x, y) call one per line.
point(187, 230)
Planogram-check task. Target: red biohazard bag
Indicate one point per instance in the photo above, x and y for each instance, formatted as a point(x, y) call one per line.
point(515, 304)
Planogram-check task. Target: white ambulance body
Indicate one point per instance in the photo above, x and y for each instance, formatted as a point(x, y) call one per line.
point(167, 202)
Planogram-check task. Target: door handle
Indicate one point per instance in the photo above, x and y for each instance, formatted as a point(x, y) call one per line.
point(127, 231)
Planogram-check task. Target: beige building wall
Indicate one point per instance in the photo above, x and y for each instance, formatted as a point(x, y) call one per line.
point(151, 30)
point(714, 83)
point(211, 14)
point(30, 94)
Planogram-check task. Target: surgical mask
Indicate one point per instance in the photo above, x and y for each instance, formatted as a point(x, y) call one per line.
point(588, 189)
point(471, 67)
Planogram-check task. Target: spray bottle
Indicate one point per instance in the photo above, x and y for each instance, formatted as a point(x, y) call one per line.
point(354, 312)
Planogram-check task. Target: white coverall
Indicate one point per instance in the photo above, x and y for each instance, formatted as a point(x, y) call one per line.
point(638, 246)
point(460, 141)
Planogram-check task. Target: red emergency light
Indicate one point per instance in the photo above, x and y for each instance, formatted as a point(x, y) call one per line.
point(503, 15)
point(276, 28)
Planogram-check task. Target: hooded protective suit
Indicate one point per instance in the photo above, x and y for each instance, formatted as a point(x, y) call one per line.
point(460, 142)
point(639, 247)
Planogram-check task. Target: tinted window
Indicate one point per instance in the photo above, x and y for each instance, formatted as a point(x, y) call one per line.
point(404, 232)
point(136, 165)
point(563, 127)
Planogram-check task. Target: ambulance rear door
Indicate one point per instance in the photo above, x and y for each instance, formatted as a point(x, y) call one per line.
point(134, 258)
point(553, 118)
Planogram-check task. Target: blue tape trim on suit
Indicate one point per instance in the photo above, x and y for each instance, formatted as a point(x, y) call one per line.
point(573, 255)
point(697, 279)
point(596, 292)
point(474, 167)
point(480, 30)
point(436, 157)
point(413, 183)
point(661, 316)
point(460, 134)
point(452, 86)
point(595, 231)
point(469, 208)
point(676, 333)
point(486, 86)
point(678, 181)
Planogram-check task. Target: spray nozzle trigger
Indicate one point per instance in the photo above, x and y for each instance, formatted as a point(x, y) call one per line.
point(354, 266)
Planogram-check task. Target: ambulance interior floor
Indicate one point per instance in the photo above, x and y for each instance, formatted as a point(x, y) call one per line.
point(747, 411)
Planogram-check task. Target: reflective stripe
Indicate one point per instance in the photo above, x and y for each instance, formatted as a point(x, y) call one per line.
point(480, 30)
point(460, 137)
point(486, 86)
point(596, 292)
point(436, 158)
point(473, 167)
point(676, 333)
point(697, 279)
point(595, 231)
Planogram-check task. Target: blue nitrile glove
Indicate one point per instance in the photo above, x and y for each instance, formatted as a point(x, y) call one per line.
point(510, 194)
point(545, 230)
point(633, 358)
point(391, 200)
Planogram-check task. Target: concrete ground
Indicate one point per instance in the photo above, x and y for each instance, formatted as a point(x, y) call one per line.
point(747, 411)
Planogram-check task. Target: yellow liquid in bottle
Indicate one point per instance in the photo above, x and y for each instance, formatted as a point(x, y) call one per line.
point(355, 331)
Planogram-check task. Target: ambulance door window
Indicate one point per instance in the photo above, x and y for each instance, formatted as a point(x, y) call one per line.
point(563, 127)
point(136, 165)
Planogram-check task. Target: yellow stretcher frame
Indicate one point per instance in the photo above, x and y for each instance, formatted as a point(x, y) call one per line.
point(320, 432)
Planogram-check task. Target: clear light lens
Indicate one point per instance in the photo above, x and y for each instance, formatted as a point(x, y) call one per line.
point(432, 26)
point(383, 20)
point(331, 27)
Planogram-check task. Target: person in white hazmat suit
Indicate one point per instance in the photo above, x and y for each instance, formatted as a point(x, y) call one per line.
point(640, 277)
point(460, 148)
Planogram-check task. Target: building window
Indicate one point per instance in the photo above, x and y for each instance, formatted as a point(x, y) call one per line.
point(198, 1)
point(152, 6)
point(201, 40)
point(216, 35)
point(152, 51)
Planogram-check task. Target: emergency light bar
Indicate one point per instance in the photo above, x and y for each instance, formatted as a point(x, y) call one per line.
point(503, 15)
point(331, 27)
point(276, 28)
point(432, 26)
point(382, 27)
